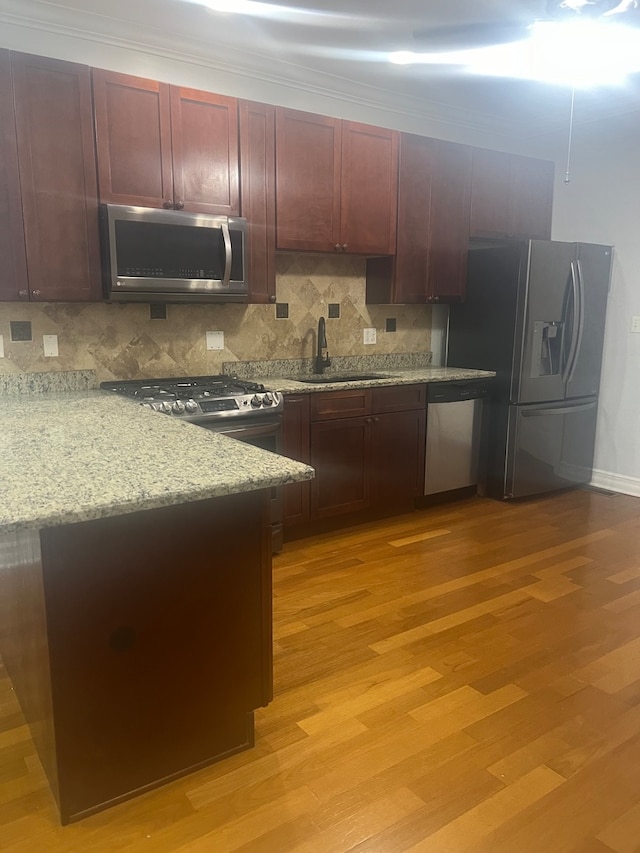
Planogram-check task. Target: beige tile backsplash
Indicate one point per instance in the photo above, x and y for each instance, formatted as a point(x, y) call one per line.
point(121, 341)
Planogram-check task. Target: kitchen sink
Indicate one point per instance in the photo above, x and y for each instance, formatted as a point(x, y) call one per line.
point(327, 378)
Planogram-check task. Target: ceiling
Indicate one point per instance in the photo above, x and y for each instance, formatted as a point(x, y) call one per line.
point(338, 47)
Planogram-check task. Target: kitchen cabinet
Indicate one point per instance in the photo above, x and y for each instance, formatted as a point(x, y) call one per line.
point(132, 662)
point(165, 146)
point(434, 189)
point(295, 445)
point(511, 196)
point(56, 163)
point(257, 197)
point(367, 447)
point(13, 270)
point(336, 185)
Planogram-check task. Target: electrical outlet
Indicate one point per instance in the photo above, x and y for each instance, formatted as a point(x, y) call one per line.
point(215, 340)
point(369, 336)
point(50, 345)
point(635, 325)
point(1, 346)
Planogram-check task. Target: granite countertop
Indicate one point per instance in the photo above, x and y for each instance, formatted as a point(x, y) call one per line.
point(70, 457)
point(400, 376)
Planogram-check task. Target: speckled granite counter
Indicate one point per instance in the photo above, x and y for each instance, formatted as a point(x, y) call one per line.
point(290, 385)
point(73, 457)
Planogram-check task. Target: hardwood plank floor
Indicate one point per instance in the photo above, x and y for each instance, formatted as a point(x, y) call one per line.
point(462, 678)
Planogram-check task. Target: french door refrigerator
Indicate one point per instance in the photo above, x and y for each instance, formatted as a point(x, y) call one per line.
point(535, 313)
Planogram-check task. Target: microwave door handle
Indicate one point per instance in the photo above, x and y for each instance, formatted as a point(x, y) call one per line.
point(227, 255)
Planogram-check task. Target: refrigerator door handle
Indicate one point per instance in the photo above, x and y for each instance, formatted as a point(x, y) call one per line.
point(562, 410)
point(575, 331)
point(580, 320)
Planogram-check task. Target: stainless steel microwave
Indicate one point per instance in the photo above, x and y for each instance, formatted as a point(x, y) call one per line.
point(153, 255)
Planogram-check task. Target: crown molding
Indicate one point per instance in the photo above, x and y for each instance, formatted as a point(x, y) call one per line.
point(57, 21)
point(72, 33)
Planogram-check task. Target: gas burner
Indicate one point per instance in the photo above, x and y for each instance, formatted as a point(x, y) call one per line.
point(201, 398)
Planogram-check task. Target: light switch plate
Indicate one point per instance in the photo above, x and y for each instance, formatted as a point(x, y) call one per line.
point(50, 345)
point(369, 336)
point(1, 346)
point(215, 340)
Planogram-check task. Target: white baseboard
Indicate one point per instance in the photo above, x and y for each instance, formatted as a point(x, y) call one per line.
point(616, 483)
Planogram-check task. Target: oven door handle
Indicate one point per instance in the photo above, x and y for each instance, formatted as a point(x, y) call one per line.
point(252, 431)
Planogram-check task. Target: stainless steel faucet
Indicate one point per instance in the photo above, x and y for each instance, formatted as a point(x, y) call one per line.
point(321, 361)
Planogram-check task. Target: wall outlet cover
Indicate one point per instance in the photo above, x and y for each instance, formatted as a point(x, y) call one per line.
point(369, 336)
point(50, 346)
point(1, 346)
point(215, 340)
point(635, 325)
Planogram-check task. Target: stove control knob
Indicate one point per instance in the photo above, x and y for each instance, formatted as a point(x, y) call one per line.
point(256, 402)
point(267, 400)
point(178, 407)
point(191, 406)
point(165, 407)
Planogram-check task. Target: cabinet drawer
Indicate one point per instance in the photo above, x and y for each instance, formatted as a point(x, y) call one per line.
point(398, 398)
point(340, 404)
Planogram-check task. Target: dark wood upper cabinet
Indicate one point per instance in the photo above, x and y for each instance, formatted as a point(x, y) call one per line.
point(336, 185)
point(13, 269)
point(58, 178)
point(433, 226)
point(511, 196)
point(369, 189)
point(257, 199)
point(165, 146)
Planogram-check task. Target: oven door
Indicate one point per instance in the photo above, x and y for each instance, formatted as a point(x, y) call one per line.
point(265, 433)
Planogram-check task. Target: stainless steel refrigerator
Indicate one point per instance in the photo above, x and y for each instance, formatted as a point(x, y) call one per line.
point(535, 313)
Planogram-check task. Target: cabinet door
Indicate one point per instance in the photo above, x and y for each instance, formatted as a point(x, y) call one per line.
point(511, 196)
point(133, 140)
point(340, 454)
point(491, 214)
point(257, 166)
point(204, 137)
point(449, 220)
point(397, 456)
point(58, 178)
point(13, 269)
point(295, 441)
point(414, 205)
point(369, 189)
point(308, 155)
point(532, 190)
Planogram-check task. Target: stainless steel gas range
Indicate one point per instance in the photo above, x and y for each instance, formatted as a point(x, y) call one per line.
point(235, 407)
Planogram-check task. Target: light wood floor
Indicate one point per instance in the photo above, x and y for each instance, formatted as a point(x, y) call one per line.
point(461, 678)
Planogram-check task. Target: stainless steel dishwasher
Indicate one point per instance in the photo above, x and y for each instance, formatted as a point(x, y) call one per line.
point(454, 428)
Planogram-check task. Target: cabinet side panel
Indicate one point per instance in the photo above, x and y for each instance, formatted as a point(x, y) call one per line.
point(160, 640)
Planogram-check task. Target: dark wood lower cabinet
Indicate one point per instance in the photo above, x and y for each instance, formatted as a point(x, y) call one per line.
point(140, 645)
point(367, 449)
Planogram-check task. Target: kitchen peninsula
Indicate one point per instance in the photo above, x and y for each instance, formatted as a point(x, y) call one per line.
point(135, 591)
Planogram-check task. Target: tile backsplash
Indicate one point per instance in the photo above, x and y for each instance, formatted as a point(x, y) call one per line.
point(121, 341)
